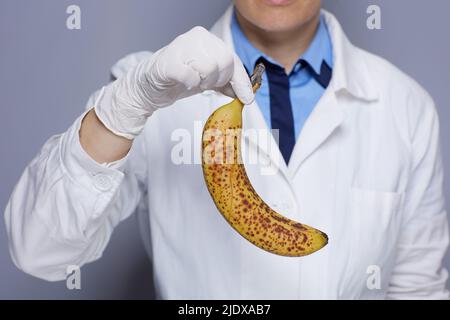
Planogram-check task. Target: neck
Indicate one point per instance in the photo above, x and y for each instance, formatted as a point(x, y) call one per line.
point(286, 46)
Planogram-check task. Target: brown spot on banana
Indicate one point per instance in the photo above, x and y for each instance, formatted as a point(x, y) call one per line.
point(235, 197)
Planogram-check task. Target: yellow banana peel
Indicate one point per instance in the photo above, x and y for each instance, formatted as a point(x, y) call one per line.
point(234, 195)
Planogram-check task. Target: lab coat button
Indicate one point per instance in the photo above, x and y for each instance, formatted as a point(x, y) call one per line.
point(102, 182)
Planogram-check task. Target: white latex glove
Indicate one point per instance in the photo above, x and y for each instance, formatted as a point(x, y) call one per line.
point(193, 62)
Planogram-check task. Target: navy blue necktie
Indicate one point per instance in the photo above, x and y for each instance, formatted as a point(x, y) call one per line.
point(280, 101)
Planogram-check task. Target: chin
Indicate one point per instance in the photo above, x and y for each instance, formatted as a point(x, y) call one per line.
point(278, 15)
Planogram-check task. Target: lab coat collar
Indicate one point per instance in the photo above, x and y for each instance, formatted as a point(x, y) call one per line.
point(350, 72)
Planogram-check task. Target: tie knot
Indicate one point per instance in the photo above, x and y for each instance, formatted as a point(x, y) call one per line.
point(271, 67)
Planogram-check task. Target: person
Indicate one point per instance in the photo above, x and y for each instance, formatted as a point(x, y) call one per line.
point(358, 157)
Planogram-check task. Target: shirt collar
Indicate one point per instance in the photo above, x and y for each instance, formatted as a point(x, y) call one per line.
point(318, 51)
point(320, 48)
point(350, 64)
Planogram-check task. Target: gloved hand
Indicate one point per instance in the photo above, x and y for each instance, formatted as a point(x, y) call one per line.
point(193, 62)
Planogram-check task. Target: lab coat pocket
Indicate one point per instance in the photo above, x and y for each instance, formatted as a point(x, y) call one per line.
point(374, 227)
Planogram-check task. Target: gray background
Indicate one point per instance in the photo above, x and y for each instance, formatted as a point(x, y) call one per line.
point(47, 72)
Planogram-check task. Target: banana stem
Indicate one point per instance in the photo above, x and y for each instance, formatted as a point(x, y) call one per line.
point(256, 77)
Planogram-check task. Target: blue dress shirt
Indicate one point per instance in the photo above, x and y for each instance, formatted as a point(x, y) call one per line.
point(304, 91)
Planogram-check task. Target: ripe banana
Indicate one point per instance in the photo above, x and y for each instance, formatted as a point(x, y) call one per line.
point(234, 195)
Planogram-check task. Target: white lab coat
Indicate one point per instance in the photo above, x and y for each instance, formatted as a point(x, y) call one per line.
point(366, 170)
